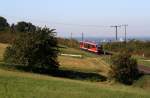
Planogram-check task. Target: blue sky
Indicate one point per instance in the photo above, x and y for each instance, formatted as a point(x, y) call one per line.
point(68, 16)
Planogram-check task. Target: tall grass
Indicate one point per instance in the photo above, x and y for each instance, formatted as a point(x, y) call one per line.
point(25, 85)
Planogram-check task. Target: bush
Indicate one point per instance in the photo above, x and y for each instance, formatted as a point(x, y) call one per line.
point(37, 50)
point(124, 67)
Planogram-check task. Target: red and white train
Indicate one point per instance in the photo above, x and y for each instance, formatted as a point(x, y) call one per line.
point(91, 46)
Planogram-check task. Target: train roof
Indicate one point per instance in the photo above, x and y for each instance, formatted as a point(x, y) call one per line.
point(89, 42)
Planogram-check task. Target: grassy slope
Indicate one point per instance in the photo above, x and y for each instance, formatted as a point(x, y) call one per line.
point(26, 85)
point(88, 63)
point(2, 49)
point(143, 82)
point(141, 60)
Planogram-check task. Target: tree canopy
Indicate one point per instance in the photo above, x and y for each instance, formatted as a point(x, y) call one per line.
point(3, 23)
point(36, 50)
point(25, 27)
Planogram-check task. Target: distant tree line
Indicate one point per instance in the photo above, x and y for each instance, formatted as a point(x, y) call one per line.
point(134, 46)
point(9, 32)
point(64, 42)
point(19, 27)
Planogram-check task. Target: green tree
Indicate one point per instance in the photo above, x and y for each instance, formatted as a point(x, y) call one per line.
point(25, 27)
point(124, 67)
point(37, 50)
point(3, 23)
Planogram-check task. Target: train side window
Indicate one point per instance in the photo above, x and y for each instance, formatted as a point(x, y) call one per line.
point(88, 45)
point(81, 43)
point(93, 46)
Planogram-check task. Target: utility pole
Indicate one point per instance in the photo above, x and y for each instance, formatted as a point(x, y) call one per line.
point(125, 31)
point(116, 27)
point(82, 36)
point(71, 39)
point(71, 36)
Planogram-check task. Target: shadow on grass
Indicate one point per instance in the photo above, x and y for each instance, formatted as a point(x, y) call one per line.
point(79, 75)
point(65, 73)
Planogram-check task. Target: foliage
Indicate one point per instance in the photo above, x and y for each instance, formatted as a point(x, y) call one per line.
point(124, 67)
point(24, 27)
point(68, 42)
point(9, 33)
point(37, 50)
point(3, 23)
point(135, 47)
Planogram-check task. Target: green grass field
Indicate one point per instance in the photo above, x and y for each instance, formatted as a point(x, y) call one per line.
point(77, 51)
point(143, 82)
point(88, 63)
point(141, 60)
point(28, 85)
point(17, 84)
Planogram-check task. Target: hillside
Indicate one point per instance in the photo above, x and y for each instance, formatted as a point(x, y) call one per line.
point(19, 84)
point(87, 63)
point(27, 85)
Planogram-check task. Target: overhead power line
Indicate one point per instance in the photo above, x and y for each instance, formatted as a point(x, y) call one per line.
point(82, 25)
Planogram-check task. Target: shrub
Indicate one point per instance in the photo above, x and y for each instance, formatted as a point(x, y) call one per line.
point(37, 50)
point(124, 67)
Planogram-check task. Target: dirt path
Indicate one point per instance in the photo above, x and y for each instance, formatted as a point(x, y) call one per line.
point(144, 69)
